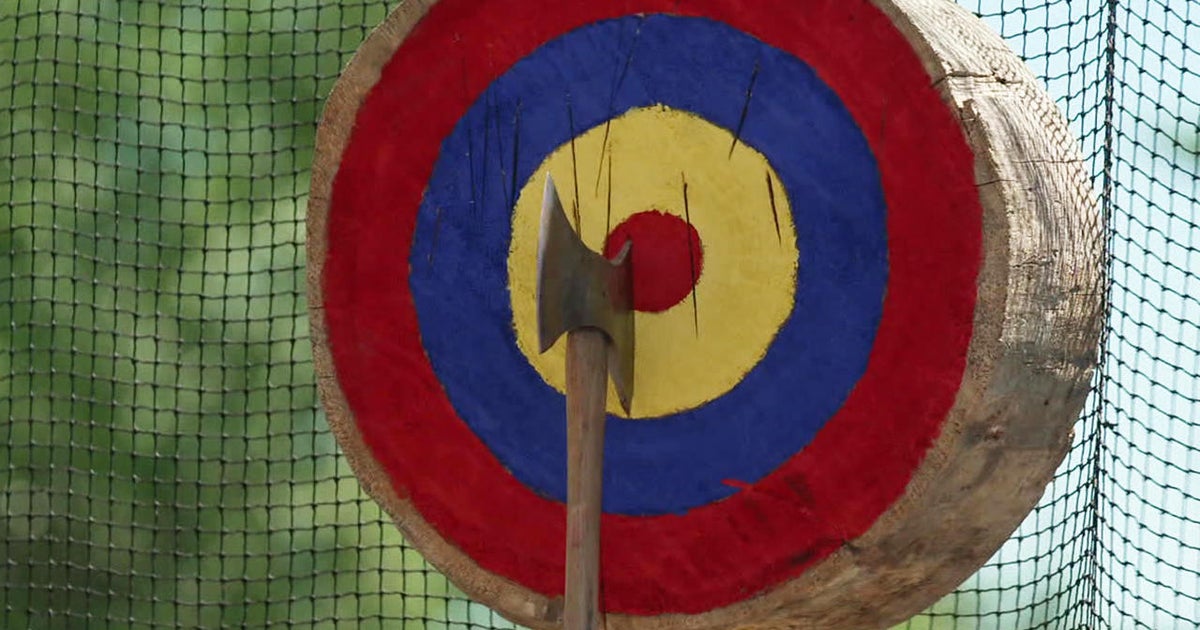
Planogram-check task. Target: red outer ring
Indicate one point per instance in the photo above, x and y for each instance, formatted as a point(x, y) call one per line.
point(829, 493)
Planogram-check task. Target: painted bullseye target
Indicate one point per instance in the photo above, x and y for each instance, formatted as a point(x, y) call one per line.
point(714, 300)
point(859, 337)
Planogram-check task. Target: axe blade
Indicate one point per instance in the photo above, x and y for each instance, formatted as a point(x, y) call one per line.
point(578, 288)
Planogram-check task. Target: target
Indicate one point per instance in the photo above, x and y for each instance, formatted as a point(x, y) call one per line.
point(813, 264)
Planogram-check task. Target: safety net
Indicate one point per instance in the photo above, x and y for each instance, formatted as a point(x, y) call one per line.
point(164, 459)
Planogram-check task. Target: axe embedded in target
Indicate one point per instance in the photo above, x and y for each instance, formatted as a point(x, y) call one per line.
point(844, 221)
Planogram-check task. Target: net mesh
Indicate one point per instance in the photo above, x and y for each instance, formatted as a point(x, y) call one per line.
point(165, 462)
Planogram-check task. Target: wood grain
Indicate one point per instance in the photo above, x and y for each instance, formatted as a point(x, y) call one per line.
point(587, 389)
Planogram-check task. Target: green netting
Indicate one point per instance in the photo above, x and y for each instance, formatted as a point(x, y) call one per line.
point(164, 461)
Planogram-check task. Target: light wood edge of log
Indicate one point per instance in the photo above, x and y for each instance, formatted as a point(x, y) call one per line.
point(996, 453)
point(517, 603)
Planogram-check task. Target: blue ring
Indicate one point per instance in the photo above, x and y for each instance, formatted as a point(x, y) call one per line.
point(459, 273)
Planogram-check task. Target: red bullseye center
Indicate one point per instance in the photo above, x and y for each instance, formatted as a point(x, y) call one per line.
point(667, 258)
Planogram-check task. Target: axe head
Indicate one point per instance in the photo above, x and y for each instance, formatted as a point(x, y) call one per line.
point(578, 288)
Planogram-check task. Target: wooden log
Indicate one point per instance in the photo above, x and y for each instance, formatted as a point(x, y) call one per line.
point(1029, 363)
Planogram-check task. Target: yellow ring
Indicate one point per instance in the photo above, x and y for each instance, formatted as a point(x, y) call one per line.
point(684, 357)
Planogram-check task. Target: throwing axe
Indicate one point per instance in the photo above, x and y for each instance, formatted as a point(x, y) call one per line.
point(588, 297)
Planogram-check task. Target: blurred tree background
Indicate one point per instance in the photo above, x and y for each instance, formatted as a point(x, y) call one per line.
point(164, 461)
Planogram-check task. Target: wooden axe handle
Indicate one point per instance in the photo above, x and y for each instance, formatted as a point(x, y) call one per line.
point(587, 390)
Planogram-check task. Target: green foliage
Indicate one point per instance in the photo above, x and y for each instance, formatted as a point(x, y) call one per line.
point(164, 462)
